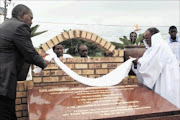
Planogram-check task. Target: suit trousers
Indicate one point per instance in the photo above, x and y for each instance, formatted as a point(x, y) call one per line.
point(7, 108)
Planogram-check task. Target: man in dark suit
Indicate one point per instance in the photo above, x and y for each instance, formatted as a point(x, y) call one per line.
point(15, 49)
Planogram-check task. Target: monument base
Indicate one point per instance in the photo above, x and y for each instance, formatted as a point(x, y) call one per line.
point(114, 102)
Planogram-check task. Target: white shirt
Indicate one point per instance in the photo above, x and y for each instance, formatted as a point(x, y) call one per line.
point(175, 47)
point(67, 56)
point(50, 51)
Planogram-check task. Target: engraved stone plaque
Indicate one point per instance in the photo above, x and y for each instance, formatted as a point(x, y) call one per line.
point(113, 102)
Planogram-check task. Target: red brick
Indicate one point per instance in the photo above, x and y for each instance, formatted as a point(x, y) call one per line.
point(50, 79)
point(51, 66)
point(81, 66)
point(25, 113)
point(21, 94)
point(43, 73)
point(37, 79)
point(21, 107)
point(125, 80)
point(111, 65)
point(77, 33)
point(71, 66)
point(94, 66)
point(83, 34)
point(23, 118)
point(28, 84)
point(110, 70)
point(101, 71)
point(103, 42)
point(24, 100)
point(21, 86)
point(98, 40)
point(93, 76)
point(65, 35)
point(18, 100)
point(45, 47)
point(84, 60)
point(111, 48)
point(55, 40)
point(107, 45)
point(50, 44)
point(121, 53)
point(18, 114)
point(111, 59)
point(87, 72)
point(60, 38)
point(77, 71)
point(57, 72)
point(72, 60)
point(118, 64)
point(118, 59)
point(71, 34)
point(131, 80)
point(94, 37)
point(116, 53)
point(65, 78)
point(104, 65)
point(89, 35)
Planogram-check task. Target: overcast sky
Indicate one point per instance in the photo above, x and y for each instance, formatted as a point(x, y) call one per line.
point(109, 19)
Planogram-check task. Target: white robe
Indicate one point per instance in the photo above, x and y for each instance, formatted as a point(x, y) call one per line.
point(158, 69)
point(175, 47)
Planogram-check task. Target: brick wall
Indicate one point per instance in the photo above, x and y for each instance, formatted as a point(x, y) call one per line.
point(21, 99)
point(88, 67)
point(53, 75)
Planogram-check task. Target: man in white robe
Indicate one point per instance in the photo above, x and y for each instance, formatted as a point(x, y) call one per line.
point(174, 42)
point(158, 68)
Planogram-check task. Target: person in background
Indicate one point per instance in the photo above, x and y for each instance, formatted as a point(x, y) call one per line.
point(108, 54)
point(59, 50)
point(16, 48)
point(158, 68)
point(133, 37)
point(83, 51)
point(174, 42)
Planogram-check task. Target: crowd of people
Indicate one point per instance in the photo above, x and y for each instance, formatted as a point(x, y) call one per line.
point(158, 68)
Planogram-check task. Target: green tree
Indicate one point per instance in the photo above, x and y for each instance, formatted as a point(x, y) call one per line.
point(72, 47)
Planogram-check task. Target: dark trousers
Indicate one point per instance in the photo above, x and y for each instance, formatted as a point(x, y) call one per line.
point(7, 108)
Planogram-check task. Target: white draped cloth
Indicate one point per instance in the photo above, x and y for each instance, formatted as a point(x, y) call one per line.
point(175, 47)
point(112, 78)
point(158, 69)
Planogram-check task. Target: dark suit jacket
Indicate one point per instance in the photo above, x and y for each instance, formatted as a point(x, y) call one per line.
point(15, 48)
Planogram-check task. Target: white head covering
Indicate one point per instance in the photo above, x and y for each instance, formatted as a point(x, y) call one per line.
point(157, 47)
point(159, 70)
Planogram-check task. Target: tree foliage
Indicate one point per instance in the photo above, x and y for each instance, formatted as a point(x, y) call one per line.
point(34, 29)
point(124, 41)
point(71, 46)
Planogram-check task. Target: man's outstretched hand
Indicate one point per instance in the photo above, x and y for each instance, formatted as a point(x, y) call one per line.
point(135, 62)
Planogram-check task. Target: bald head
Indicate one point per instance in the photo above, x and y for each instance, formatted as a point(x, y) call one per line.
point(147, 35)
point(83, 50)
point(23, 14)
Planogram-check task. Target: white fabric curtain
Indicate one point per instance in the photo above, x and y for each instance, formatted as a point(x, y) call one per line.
point(112, 78)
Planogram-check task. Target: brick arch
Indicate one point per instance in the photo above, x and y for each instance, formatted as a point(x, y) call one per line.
point(84, 35)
